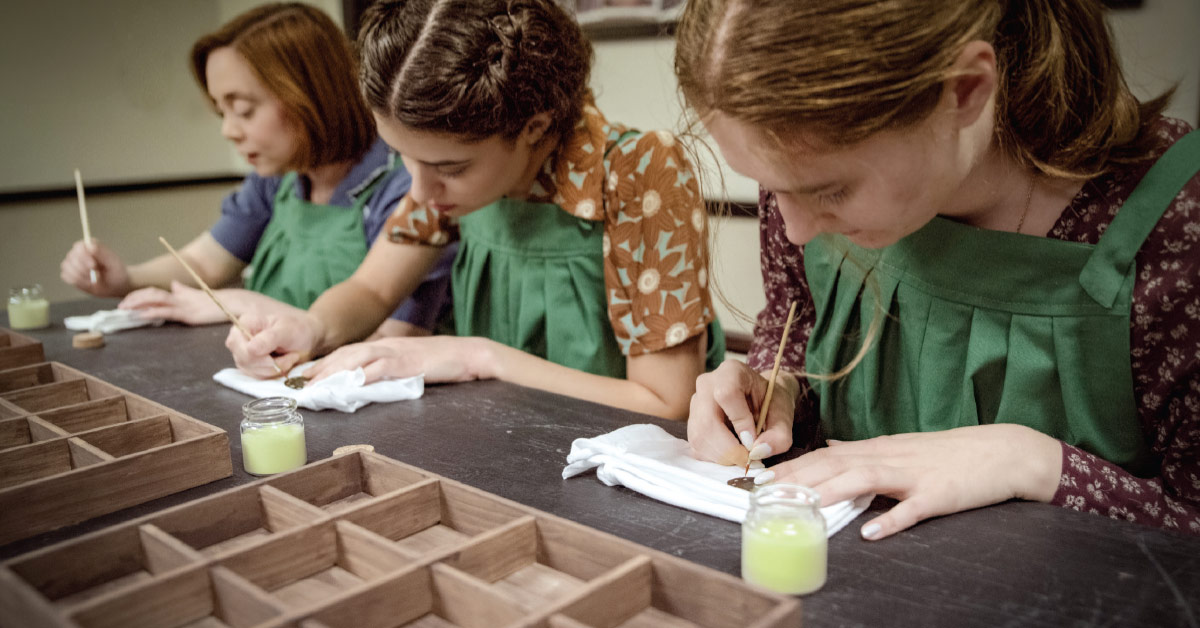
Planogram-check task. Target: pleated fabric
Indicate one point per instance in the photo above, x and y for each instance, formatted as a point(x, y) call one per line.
point(983, 327)
point(531, 276)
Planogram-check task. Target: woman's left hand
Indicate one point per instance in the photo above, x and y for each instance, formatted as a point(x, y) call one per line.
point(439, 358)
point(932, 473)
point(184, 304)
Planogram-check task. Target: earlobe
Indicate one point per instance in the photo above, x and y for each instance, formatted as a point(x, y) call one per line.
point(973, 81)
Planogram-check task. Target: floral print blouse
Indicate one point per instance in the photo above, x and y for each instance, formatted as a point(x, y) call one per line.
point(1164, 341)
point(655, 247)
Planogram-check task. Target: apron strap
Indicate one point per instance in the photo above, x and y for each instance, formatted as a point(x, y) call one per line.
point(1104, 273)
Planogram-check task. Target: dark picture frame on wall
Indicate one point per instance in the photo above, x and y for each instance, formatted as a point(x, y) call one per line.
point(625, 18)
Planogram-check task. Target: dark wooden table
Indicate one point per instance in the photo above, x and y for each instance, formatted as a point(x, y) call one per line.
point(1018, 564)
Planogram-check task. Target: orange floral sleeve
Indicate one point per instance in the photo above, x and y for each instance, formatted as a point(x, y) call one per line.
point(414, 224)
point(655, 245)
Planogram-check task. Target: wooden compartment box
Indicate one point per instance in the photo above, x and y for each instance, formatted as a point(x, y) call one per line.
point(73, 447)
point(364, 541)
point(18, 350)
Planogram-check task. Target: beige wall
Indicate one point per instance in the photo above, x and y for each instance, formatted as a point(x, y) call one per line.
point(632, 79)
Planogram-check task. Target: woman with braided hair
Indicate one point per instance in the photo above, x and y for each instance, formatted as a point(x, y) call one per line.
point(582, 266)
point(992, 243)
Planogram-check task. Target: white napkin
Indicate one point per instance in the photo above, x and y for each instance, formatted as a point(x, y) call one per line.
point(341, 391)
point(646, 459)
point(109, 321)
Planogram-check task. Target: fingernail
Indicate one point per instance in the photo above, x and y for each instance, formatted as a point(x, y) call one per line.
point(830, 441)
point(870, 531)
point(760, 451)
point(747, 438)
point(764, 477)
point(757, 464)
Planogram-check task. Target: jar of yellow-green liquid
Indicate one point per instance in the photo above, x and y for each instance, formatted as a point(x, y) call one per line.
point(28, 308)
point(272, 436)
point(784, 546)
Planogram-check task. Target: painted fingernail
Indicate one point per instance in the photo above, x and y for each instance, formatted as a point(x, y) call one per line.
point(747, 438)
point(831, 441)
point(870, 531)
point(757, 464)
point(760, 451)
point(764, 477)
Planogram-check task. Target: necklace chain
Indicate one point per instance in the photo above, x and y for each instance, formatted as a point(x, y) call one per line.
point(1028, 202)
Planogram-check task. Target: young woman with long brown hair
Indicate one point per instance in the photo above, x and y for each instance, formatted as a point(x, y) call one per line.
point(583, 260)
point(969, 191)
point(282, 78)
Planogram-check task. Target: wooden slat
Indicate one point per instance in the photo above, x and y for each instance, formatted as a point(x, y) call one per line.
point(715, 599)
point(577, 550)
point(14, 433)
point(162, 552)
point(383, 475)
point(131, 437)
point(49, 396)
point(21, 355)
point(21, 605)
point(173, 600)
point(469, 602)
point(38, 460)
point(94, 559)
point(613, 598)
point(26, 377)
point(394, 601)
point(401, 514)
point(366, 554)
point(215, 518)
point(88, 415)
point(239, 603)
point(473, 511)
point(85, 454)
point(499, 552)
point(323, 482)
point(36, 507)
point(40, 430)
point(282, 511)
point(287, 557)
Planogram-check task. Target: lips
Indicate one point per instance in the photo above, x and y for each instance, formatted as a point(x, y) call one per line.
point(443, 208)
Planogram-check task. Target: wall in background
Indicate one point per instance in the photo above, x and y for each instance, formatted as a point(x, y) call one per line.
point(106, 86)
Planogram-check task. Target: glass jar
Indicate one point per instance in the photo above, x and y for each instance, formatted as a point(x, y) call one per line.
point(28, 308)
point(272, 436)
point(784, 546)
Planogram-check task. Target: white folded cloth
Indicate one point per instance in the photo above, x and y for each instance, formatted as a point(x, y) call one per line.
point(341, 391)
point(646, 459)
point(109, 321)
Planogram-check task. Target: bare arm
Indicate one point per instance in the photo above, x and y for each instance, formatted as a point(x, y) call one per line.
point(205, 255)
point(354, 308)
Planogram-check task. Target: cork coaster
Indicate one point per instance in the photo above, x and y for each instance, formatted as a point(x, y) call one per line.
point(88, 340)
point(346, 449)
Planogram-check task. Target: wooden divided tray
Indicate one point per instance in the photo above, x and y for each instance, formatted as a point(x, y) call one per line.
point(73, 447)
point(364, 541)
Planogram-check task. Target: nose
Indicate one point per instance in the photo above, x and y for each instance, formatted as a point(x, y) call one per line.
point(801, 223)
point(425, 183)
point(231, 129)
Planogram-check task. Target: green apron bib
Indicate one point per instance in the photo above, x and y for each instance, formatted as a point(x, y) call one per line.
point(531, 276)
point(308, 247)
point(990, 327)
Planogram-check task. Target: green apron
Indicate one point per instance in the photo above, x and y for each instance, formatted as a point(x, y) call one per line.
point(990, 327)
point(531, 276)
point(308, 247)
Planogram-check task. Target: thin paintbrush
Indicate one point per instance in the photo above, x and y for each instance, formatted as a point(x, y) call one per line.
point(233, 319)
point(83, 218)
point(766, 404)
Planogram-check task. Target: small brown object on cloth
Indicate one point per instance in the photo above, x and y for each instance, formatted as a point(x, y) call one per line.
point(88, 340)
point(346, 449)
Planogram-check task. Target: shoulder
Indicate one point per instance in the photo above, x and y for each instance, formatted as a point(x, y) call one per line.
point(650, 172)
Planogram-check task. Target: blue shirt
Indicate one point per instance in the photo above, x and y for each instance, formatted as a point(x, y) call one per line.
point(246, 212)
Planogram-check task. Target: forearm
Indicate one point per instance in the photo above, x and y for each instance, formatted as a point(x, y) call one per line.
point(512, 365)
point(347, 312)
point(159, 273)
point(240, 301)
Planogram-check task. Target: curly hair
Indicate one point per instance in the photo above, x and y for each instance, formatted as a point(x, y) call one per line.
point(474, 68)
